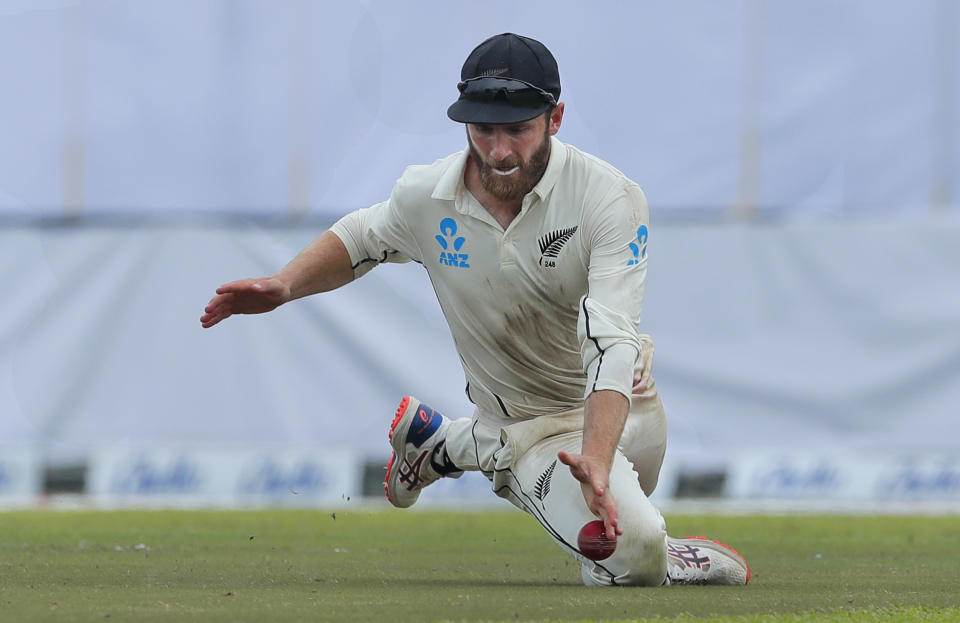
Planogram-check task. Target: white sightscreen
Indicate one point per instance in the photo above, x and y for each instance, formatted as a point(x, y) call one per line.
point(296, 107)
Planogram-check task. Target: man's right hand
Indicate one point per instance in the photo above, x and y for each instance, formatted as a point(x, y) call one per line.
point(247, 296)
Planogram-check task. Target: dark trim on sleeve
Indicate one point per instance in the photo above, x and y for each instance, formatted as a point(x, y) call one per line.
point(586, 317)
point(371, 259)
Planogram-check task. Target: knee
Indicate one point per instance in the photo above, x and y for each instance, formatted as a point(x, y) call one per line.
point(646, 553)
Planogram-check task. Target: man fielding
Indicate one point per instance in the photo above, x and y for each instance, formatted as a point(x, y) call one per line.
point(537, 252)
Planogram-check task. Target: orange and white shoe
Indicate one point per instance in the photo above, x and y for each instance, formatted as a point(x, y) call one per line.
point(699, 560)
point(414, 434)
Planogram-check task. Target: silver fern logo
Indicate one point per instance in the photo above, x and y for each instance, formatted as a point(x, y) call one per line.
point(542, 488)
point(552, 243)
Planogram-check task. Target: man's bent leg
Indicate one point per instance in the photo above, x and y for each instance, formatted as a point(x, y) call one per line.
point(691, 560)
point(545, 488)
point(644, 439)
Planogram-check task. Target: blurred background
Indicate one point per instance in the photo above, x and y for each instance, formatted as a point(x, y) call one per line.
point(801, 161)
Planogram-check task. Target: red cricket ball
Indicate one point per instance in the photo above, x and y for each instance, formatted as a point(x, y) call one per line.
point(593, 542)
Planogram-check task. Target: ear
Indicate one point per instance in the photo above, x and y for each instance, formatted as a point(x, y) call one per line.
point(556, 118)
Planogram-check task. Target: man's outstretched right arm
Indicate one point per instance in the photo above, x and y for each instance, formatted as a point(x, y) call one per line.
point(323, 266)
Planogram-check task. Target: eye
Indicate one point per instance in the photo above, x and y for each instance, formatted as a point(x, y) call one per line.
point(485, 130)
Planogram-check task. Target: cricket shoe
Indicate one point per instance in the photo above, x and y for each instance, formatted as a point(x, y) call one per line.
point(698, 560)
point(416, 432)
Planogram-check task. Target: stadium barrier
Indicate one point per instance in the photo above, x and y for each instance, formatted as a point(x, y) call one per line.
point(247, 476)
point(223, 477)
point(861, 476)
point(20, 476)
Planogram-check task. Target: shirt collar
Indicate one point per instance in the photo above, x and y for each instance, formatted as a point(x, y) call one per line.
point(558, 158)
point(452, 179)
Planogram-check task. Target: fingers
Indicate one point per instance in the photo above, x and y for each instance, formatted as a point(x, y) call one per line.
point(212, 317)
point(216, 310)
point(641, 383)
point(604, 507)
point(641, 380)
point(599, 488)
point(234, 297)
point(262, 285)
point(611, 529)
point(608, 513)
point(218, 302)
point(208, 320)
point(241, 285)
point(596, 491)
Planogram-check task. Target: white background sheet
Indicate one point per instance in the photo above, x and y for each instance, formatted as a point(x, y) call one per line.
point(294, 107)
point(801, 162)
point(829, 337)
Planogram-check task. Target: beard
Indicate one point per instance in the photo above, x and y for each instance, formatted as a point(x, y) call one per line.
point(512, 187)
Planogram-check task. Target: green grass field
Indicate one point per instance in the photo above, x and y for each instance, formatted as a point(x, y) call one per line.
point(428, 566)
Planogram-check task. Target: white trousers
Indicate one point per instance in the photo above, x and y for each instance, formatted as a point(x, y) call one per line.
point(520, 459)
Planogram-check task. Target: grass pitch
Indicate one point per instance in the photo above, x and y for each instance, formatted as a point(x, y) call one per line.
point(401, 566)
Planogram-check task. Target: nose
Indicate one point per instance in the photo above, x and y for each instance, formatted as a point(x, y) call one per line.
point(500, 148)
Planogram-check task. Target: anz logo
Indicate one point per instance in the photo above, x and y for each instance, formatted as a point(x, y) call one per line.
point(451, 245)
point(639, 246)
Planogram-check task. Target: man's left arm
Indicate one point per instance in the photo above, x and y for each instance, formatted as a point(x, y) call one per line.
point(605, 413)
point(616, 236)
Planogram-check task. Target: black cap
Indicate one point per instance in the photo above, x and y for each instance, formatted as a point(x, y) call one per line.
point(506, 79)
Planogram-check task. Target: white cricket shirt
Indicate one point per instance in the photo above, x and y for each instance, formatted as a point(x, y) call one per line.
point(542, 313)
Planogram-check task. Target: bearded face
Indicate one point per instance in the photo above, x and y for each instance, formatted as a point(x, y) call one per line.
point(513, 175)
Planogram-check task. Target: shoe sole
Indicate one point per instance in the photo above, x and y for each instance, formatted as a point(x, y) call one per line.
point(401, 410)
point(729, 549)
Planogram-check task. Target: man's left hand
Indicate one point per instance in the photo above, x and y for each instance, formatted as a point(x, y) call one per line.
point(595, 483)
